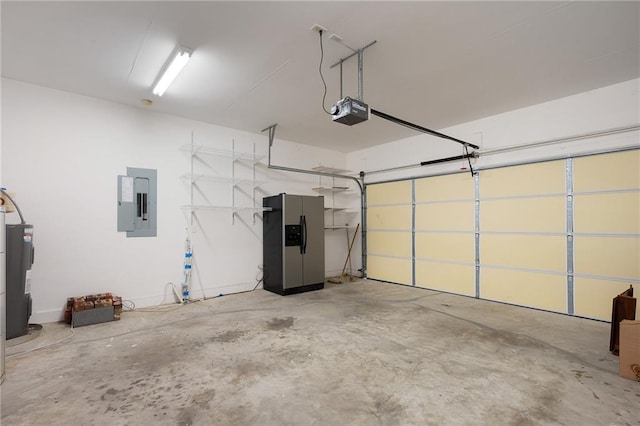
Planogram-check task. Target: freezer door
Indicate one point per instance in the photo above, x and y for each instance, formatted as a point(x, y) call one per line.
point(313, 240)
point(292, 259)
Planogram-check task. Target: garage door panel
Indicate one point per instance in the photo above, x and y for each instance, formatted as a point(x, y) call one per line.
point(389, 269)
point(525, 251)
point(524, 215)
point(593, 297)
point(607, 213)
point(389, 217)
point(607, 171)
point(607, 256)
point(524, 200)
point(452, 278)
point(602, 263)
point(441, 188)
point(452, 247)
point(389, 193)
point(389, 243)
point(530, 179)
point(536, 290)
point(458, 216)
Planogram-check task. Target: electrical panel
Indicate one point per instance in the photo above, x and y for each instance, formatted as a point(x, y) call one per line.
point(137, 202)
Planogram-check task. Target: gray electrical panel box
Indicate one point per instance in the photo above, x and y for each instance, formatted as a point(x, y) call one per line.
point(137, 202)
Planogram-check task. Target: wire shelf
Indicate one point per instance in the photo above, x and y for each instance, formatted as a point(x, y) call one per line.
point(208, 150)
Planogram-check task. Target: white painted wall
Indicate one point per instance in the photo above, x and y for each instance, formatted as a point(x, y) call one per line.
point(61, 153)
point(605, 108)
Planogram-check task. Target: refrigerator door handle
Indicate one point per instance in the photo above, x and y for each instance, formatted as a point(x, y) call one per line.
point(303, 243)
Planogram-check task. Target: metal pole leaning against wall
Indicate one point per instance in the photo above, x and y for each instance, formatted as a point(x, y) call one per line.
point(359, 181)
point(363, 228)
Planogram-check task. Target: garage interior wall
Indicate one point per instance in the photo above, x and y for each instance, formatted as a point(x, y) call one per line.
point(61, 155)
point(606, 108)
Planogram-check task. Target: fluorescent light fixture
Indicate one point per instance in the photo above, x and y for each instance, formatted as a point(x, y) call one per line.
point(177, 61)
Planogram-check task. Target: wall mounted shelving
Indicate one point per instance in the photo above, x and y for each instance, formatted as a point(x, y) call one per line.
point(336, 216)
point(202, 152)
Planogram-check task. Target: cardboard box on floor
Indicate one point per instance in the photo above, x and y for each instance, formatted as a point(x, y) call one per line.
point(630, 349)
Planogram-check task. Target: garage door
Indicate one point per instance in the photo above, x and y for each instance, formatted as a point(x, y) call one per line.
point(562, 235)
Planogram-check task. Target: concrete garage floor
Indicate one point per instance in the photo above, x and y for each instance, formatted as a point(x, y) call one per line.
point(363, 353)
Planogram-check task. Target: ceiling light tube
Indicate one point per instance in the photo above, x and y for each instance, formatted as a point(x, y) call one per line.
point(176, 62)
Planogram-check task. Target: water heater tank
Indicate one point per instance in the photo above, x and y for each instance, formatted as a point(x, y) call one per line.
point(3, 298)
point(19, 258)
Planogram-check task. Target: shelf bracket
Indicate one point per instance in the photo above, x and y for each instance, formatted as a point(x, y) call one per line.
point(272, 134)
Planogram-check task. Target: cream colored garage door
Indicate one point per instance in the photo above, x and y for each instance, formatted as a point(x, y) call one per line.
point(562, 235)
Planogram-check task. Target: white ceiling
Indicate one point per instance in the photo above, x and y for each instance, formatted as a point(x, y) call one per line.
point(436, 64)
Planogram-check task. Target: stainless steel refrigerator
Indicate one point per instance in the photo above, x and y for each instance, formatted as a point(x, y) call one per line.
point(293, 243)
